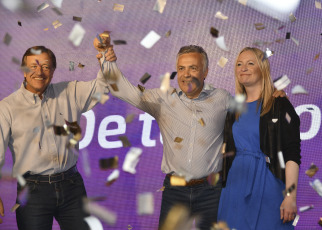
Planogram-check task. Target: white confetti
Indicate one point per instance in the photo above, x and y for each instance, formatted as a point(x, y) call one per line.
point(222, 62)
point(42, 7)
point(150, 39)
point(145, 203)
point(100, 212)
point(318, 5)
point(21, 180)
point(317, 186)
point(77, 34)
point(220, 16)
point(131, 160)
point(296, 219)
point(298, 89)
point(306, 208)
point(165, 83)
point(114, 175)
point(57, 3)
point(86, 163)
point(281, 159)
point(288, 118)
point(282, 82)
point(220, 41)
point(295, 41)
point(93, 223)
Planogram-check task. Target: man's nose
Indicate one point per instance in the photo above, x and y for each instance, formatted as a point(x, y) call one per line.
point(39, 70)
point(187, 73)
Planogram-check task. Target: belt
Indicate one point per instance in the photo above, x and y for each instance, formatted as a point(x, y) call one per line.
point(194, 182)
point(54, 178)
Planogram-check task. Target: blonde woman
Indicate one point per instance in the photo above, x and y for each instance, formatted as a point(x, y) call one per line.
point(253, 179)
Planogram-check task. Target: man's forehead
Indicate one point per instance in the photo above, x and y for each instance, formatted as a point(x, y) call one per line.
point(44, 58)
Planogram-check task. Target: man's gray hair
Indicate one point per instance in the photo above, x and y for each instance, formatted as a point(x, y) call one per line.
point(194, 49)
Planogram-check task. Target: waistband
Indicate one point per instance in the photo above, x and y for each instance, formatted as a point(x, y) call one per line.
point(194, 182)
point(54, 178)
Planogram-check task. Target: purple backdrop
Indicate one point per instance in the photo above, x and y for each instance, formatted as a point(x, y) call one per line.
point(189, 22)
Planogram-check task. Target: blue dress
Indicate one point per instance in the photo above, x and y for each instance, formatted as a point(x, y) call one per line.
point(253, 195)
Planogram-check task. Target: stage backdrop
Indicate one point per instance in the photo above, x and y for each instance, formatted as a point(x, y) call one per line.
point(189, 22)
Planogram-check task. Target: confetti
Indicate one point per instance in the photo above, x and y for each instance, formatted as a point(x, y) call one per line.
point(202, 122)
point(45, 29)
point(178, 139)
point(223, 148)
point(282, 82)
point(296, 219)
point(295, 41)
point(221, 43)
point(287, 192)
point(288, 118)
point(145, 203)
point(141, 88)
point(161, 189)
point(131, 160)
point(71, 66)
point(173, 91)
point(13, 5)
point(42, 6)
point(312, 170)
point(112, 177)
point(298, 89)
point(125, 141)
point(57, 11)
point(100, 97)
point(159, 6)
point(318, 5)
point(268, 53)
point(316, 56)
point(57, 3)
point(129, 227)
point(214, 32)
point(7, 39)
point(292, 17)
point(80, 65)
point(77, 19)
point(145, 78)
point(177, 181)
point(238, 103)
point(281, 159)
point(288, 35)
point(14, 208)
point(306, 208)
point(320, 221)
point(222, 62)
point(177, 218)
point(77, 34)
point(86, 163)
point(220, 16)
point(150, 39)
point(173, 75)
point(109, 163)
point(114, 87)
point(221, 225)
point(99, 211)
point(119, 42)
point(259, 26)
point(129, 118)
point(19, 23)
point(243, 2)
point(15, 60)
point(280, 40)
point(317, 186)
point(35, 52)
point(213, 178)
point(167, 34)
point(165, 83)
point(93, 223)
point(57, 24)
point(118, 7)
point(274, 120)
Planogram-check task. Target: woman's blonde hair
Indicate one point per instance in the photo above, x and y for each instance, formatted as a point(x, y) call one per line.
point(267, 85)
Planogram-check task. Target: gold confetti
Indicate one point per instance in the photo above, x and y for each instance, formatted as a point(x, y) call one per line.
point(80, 65)
point(318, 5)
point(42, 7)
point(129, 118)
point(129, 227)
point(118, 7)
point(316, 56)
point(114, 87)
point(243, 2)
point(222, 62)
point(141, 88)
point(177, 218)
point(280, 40)
point(78, 19)
point(14, 208)
point(202, 122)
point(259, 26)
point(173, 91)
point(125, 141)
point(56, 24)
point(312, 170)
point(161, 189)
point(109, 163)
point(167, 34)
point(223, 148)
point(320, 221)
point(213, 178)
point(45, 29)
point(221, 225)
point(177, 181)
point(178, 139)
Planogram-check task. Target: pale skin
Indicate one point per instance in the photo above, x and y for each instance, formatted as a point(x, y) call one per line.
point(249, 75)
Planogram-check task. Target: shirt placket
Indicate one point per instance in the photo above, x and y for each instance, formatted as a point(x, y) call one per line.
point(49, 137)
point(192, 133)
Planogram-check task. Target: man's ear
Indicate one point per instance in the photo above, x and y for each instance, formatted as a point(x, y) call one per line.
point(206, 74)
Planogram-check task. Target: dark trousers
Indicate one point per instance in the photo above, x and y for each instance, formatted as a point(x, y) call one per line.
point(202, 200)
point(62, 200)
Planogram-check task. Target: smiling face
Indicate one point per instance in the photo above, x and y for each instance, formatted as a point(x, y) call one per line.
point(248, 72)
point(41, 73)
point(191, 74)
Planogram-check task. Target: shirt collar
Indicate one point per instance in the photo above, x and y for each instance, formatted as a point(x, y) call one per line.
point(207, 88)
point(32, 98)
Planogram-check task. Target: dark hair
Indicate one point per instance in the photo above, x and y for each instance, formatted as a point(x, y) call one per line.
point(43, 49)
point(194, 49)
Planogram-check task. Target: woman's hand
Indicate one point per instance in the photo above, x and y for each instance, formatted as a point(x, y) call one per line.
point(288, 208)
